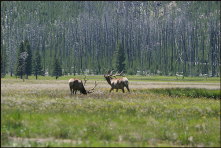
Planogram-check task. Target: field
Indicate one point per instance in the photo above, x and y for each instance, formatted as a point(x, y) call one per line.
point(159, 111)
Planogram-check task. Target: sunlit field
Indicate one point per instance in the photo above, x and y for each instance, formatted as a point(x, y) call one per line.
point(159, 111)
point(134, 78)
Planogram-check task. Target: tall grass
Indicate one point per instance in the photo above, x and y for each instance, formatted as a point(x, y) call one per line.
point(139, 118)
point(186, 92)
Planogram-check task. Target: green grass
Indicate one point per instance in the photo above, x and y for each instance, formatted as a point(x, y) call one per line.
point(187, 92)
point(140, 118)
point(132, 78)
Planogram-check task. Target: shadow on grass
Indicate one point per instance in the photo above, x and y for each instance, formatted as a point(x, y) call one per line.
point(187, 92)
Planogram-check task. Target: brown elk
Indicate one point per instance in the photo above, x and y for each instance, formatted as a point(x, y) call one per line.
point(117, 83)
point(77, 84)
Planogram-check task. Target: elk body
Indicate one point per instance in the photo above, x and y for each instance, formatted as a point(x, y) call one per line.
point(117, 83)
point(78, 85)
point(75, 85)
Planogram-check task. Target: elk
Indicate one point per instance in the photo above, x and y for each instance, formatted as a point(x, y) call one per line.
point(117, 83)
point(179, 75)
point(77, 84)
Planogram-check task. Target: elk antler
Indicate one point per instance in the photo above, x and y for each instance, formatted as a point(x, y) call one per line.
point(85, 80)
point(119, 74)
point(91, 90)
point(95, 84)
point(110, 74)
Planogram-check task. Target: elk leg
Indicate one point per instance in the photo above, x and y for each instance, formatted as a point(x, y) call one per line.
point(123, 90)
point(128, 88)
point(75, 92)
point(71, 91)
point(117, 90)
point(111, 89)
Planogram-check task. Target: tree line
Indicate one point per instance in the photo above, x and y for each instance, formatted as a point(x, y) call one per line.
point(155, 37)
point(26, 65)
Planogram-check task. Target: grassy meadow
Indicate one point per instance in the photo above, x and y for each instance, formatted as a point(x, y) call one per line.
point(132, 78)
point(159, 111)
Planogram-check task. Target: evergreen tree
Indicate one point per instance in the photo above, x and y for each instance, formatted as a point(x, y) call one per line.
point(57, 71)
point(19, 64)
point(2, 75)
point(3, 62)
point(120, 58)
point(2, 66)
point(28, 68)
point(37, 67)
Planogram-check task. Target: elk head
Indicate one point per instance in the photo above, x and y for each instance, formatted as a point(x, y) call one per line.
point(117, 83)
point(78, 85)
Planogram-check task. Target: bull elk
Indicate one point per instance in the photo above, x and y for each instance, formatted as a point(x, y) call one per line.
point(77, 85)
point(117, 83)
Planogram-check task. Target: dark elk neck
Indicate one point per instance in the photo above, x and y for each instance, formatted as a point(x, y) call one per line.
point(109, 80)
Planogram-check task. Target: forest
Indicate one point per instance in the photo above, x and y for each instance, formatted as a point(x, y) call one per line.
point(85, 37)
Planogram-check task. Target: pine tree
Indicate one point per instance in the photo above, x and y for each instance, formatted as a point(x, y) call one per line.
point(57, 71)
point(28, 68)
point(3, 62)
point(2, 74)
point(120, 58)
point(37, 67)
point(19, 64)
point(2, 66)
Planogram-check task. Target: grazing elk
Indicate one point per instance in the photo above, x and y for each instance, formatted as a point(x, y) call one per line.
point(117, 83)
point(179, 75)
point(77, 84)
